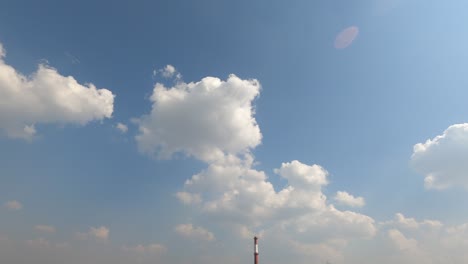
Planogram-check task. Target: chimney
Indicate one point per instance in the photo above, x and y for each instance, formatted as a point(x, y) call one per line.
point(255, 250)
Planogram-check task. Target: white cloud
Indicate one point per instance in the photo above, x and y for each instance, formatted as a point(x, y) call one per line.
point(14, 205)
point(401, 242)
point(410, 223)
point(404, 222)
point(99, 233)
point(194, 232)
point(168, 71)
point(299, 174)
point(206, 119)
point(235, 194)
point(213, 121)
point(443, 160)
point(347, 199)
point(189, 198)
point(407, 240)
point(45, 228)
point(148, 249)
point(47, 97)
point(122, 128)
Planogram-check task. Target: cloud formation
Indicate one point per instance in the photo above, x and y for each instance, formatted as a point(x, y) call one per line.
point(347, 199)
point(99, 233)
point(443, 160)
point(46, 97)
point(38, 243)
point(194, 232)
point(213, 121)
point(408, 240)
point(45, 228)
point(168, 72)
point(233, 193)
point(206, 120)
point(14, 205)
point(188, 198)
point(122, 128)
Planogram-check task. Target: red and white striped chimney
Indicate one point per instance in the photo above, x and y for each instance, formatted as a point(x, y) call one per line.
point(255, 250)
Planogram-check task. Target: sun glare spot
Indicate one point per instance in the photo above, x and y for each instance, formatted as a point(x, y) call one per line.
point(346, 37)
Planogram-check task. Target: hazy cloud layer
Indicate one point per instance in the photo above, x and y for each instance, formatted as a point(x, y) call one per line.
point(13, 205)
point(44, 251)
point(194, 232)
point(408, 240)
point(99, 233)
point(47, 97)
point(148, 249)
point(45, 228)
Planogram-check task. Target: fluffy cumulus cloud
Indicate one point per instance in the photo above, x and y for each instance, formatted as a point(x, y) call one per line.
point(213, 120)
point(194, 232)
point(347, 199)
point(47, 97)
point(13, 205)
point(206, 119)
point(233, 193)
point(443, 160)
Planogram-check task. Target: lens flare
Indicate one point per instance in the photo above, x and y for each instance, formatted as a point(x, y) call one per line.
point(346, 37)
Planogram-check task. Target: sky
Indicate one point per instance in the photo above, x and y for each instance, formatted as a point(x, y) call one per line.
point(175, 131)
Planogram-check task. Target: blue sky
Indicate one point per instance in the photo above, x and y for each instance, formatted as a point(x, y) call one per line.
point(179, 186)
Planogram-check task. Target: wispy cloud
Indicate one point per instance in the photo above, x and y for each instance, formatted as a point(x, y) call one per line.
point(45, 228)
point(194, 232)
point(73, 59)
point(13, 205)
point(122, 128)
point(99, 233)
point(148, 249)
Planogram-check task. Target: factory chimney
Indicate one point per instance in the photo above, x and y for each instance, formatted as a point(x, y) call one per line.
point(255, 250)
